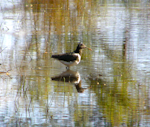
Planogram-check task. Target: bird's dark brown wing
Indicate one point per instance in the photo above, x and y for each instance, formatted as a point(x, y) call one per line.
point(66, 57)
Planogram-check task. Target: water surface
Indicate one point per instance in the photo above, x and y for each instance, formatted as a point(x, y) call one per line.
point(114, 76)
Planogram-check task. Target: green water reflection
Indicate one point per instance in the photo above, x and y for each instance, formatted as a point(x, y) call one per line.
point(110, 86)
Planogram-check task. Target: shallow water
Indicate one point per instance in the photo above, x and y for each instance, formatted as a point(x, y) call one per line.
point(114, 76)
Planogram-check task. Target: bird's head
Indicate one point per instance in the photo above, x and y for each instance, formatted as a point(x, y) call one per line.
point(82, 46)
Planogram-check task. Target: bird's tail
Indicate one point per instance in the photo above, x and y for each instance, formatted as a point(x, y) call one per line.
point(55, 56)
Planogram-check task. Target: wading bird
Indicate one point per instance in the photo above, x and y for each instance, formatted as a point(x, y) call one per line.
point(72, 58)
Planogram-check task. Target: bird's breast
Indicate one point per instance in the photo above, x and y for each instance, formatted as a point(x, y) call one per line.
point(78, 58)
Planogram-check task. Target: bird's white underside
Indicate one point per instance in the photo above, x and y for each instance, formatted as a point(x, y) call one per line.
point(72, 63)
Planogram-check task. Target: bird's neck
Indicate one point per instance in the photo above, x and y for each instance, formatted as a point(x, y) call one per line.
point(78, 51)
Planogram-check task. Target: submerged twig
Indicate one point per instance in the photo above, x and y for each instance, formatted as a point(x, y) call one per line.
point(2, 50)
point(2, 72)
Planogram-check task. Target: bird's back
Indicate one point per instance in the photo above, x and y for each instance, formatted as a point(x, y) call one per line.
point(66, 57)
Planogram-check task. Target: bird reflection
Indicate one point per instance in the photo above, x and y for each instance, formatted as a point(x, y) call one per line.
point(71, 77)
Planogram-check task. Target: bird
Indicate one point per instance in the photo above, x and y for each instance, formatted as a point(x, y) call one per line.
point(72, 58)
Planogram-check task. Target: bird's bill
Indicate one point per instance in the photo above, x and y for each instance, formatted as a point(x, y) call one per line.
point(89, 48)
